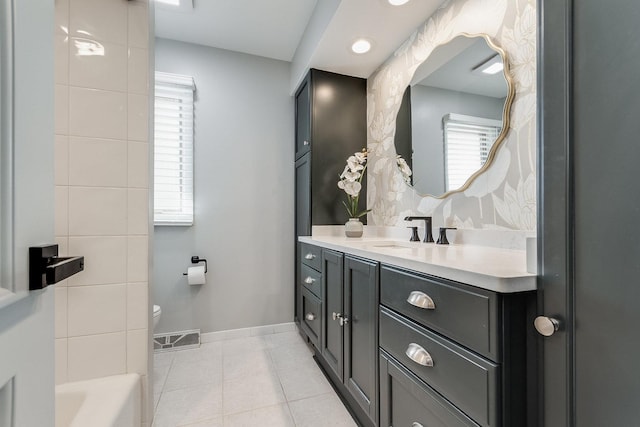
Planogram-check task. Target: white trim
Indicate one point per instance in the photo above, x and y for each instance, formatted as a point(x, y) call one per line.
point(255, 331)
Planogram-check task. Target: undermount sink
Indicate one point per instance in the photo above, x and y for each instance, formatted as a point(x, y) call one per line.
point(392, 246)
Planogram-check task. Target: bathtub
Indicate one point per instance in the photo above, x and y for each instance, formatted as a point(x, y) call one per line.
point(103, 402)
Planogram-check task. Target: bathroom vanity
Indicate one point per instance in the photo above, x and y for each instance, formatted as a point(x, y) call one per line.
point(416, 334)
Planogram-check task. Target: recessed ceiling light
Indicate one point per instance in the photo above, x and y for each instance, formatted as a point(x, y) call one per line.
point(494, 68)
point(398, 2)
point(361, 46)
point(491, 66)
point(170, 2)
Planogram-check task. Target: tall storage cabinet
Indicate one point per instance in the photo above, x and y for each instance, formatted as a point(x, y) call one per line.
point(331, 124)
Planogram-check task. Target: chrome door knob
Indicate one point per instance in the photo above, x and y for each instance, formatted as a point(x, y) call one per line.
point(546, 326)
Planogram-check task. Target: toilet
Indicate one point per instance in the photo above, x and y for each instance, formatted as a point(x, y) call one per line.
point(157, 311)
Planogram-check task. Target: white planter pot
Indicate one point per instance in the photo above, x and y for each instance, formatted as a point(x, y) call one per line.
point(353, 228)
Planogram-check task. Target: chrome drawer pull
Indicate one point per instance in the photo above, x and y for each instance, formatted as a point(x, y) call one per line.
point(310, 316)
point(419, 355)
point(309, 280)
point(421, 300)
point(416, 424)
point(309, 256)
point(336, 315)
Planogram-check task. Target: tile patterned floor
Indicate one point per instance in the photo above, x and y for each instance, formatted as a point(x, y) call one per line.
point(267, 381)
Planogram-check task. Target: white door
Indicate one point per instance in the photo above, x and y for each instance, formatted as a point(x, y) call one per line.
point(26, 211)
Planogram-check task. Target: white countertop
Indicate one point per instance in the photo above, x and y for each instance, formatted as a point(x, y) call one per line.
point(495, 269)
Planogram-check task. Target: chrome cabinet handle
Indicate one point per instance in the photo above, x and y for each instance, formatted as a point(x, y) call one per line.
point(546, 326)
point(309, 280)
point(309, 256)
point(305, 142)
point(421, 300)
point(343, 320)
point(419, 355)
point(310, 316)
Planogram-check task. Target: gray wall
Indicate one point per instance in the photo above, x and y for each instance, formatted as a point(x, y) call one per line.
point(244, 120)
point(428, 106)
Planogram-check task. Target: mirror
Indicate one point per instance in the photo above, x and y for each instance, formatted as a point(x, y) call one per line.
point(454, 114)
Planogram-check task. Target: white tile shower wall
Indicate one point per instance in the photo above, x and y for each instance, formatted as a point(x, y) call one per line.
point(102, 188)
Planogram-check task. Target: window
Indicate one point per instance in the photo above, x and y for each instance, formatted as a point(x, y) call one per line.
point(468, 141)
point(173, 150)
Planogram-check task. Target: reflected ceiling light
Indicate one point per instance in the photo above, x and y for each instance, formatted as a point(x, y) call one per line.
point(170, 2)
point(361, 46)
point(491, 66)
point(398, 2)
point(86, 47)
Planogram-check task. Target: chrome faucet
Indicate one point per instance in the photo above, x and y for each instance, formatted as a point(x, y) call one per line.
point(428, 234)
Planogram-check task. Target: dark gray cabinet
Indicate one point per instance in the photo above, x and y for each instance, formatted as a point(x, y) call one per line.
point(360, 340)
point(349, 329)
point(309, 290)
point(331, 117)
point(467, 358)
point(303, 118)
point(333, 291)
point(473, 347)
point(330, 125)
point(407, 401)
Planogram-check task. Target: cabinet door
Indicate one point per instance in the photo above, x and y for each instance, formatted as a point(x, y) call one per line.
point(303, 196)
point(311, 316)
point(302, 218)
point(360, 290)
point(303, 118)
point(332, 330)
point(407, 401)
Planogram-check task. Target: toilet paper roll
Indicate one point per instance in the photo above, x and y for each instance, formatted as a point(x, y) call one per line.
point(195, 275)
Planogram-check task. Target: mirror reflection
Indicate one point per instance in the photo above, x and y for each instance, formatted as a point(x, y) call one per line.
point(452, 114)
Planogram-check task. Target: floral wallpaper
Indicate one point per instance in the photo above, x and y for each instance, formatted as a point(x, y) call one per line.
point(504, 196)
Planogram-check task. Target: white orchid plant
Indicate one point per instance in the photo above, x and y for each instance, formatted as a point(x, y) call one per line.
point(351, 180)
point(405, 170)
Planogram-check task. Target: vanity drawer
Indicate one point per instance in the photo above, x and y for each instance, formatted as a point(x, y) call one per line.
point(311, 256)
point(468, 381)
point(407, 401)
point(311, 279)
point(462, 313)
point(311, 316)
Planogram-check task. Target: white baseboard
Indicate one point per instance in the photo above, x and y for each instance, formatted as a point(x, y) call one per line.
point(247, 332)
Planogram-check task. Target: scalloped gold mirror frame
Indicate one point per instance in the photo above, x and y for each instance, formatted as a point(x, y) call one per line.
point(506, 112)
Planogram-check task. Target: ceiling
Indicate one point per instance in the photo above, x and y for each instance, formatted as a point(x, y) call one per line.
point(269, 28)
point(275, 28)
point(451, 65)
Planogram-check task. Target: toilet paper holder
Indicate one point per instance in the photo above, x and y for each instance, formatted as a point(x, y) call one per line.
point(195, 260)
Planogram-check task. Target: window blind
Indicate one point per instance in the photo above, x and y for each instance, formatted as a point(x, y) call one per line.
point(468, 141)
point(173, 149)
